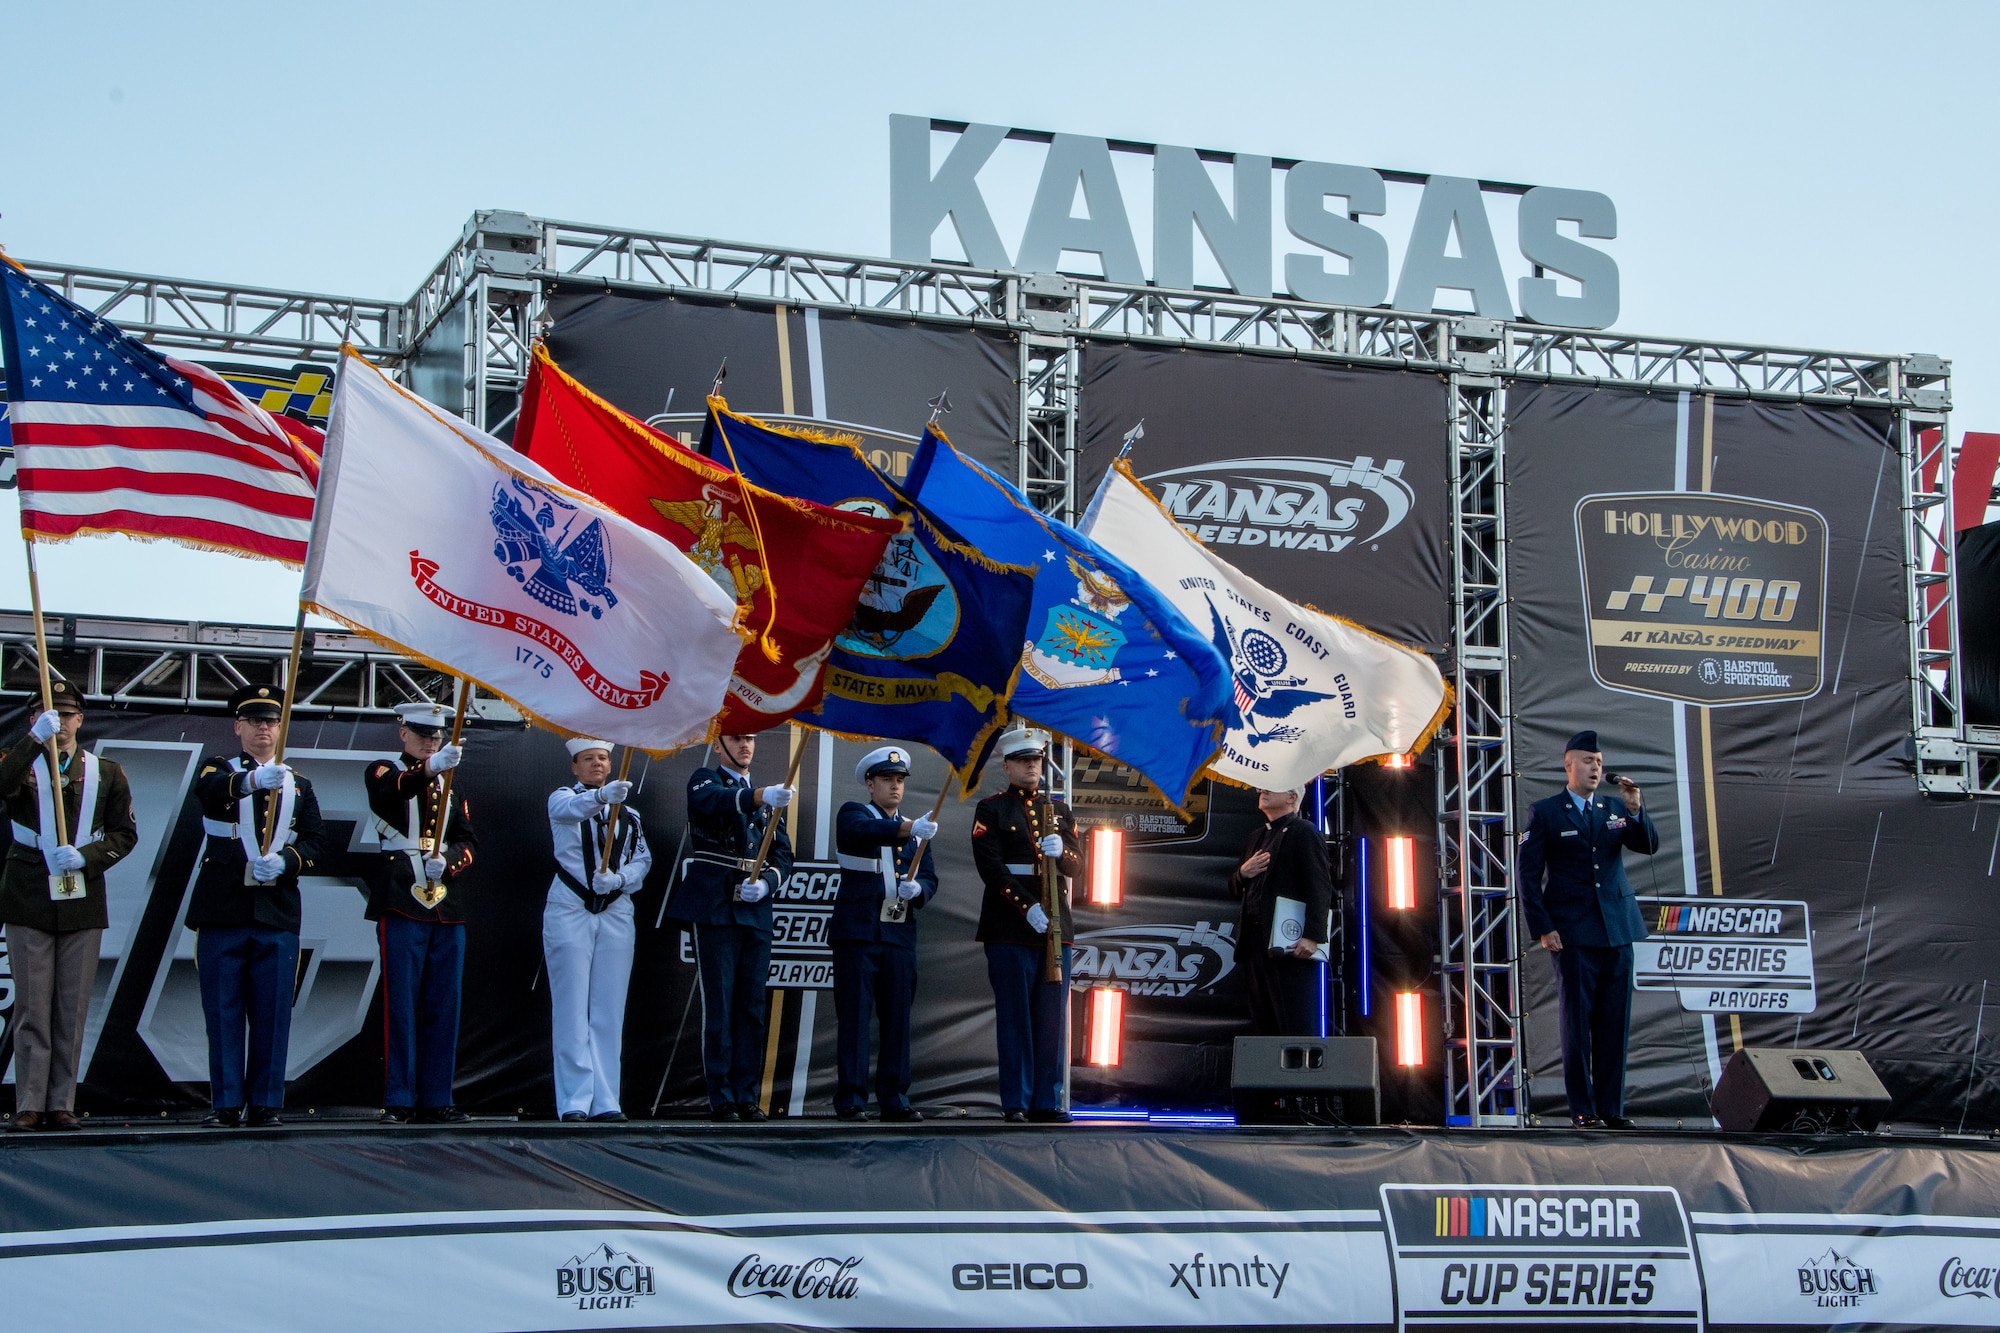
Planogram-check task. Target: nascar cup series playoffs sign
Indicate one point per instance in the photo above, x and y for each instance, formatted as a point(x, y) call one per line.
point(1710, 599)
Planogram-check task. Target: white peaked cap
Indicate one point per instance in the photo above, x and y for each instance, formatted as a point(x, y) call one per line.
point(578, 744)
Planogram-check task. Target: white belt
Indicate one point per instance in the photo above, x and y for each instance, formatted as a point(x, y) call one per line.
point(1013, 869)
point(218, 828)
point(867, 865)
point(22, 833)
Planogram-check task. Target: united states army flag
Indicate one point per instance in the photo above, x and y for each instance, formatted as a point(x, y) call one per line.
point(438, 540)
point(1311, 692)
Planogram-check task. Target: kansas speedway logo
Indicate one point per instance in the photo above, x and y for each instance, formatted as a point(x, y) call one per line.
point(1709, 599)
point(1291, 504)
point(1174, 961)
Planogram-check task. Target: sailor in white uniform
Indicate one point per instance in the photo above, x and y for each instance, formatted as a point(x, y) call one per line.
point(588, 931)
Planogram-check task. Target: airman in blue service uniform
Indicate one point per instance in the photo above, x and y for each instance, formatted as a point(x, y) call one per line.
point(730, 915)
point(874, 933)
point(245, 911)
point(1013, 832)
point(422, 938)
point(1587, 918)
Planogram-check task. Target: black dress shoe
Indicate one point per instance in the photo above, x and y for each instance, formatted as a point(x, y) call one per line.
point(1620, 1122)
point(848, 1112)
point(574, 1117)
point(223, 1117)
point(25, 1120)
point(725, 1114)
point(751, 1113)
point(263, 1117)
point(1049, 1117)
point(1586, 1122)
point(62, 1120)
point(608, 1118)
point(440, 1115)
point(902, 1115)
point(397, 1115)
point(1014, 1116)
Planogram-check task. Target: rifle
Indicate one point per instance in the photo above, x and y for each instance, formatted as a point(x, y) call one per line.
point(1051, 898)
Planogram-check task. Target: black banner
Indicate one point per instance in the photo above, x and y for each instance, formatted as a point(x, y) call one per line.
point(1669, 559)
point(1326, 483)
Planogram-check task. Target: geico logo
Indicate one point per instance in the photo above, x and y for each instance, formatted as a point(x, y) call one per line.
point(821, 1278)
point(1019, 1277)
point(1577, 1217)
point(1686, 527)
point(1605, 1284)
point(1958, 1278)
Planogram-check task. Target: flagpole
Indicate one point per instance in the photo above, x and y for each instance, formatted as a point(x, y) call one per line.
point(611, 819)
point(771, 828)
point(434, 889)
point(917, 852)
point(285, 722)
point(48, 696)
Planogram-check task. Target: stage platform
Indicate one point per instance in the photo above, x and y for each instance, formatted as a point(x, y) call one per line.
point(966, 1222)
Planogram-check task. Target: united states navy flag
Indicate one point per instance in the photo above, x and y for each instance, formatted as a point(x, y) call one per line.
point(932, 654)
point(1106, 660)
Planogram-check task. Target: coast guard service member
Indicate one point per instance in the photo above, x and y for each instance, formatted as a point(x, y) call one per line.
point(51, 941)
point(245, 911)
point(874, 933)
point(729, 915)
point(588, 932)
point(1588, 920)
point(422, 941)
point(1286, 859)
point(1013, 832)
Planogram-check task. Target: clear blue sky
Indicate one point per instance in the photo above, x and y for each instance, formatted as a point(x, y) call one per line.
point(1810, 174)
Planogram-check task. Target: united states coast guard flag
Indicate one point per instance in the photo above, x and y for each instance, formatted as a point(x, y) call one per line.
point(436, 539)
point(1311, 692)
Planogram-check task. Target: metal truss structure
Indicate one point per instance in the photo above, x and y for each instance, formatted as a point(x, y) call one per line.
point(464, 337)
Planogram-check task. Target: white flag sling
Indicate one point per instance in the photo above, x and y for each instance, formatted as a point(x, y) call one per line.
point(438, 540)
point(1312, 692)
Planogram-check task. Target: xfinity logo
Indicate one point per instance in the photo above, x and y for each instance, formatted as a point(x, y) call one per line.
point(1034, 1276)
point(1834, 1281)
point(1155, 960)
point(604, 1279)
point(1958, 1278)
point(822, 1278)
point(1292, 504)
point(1202, 1273)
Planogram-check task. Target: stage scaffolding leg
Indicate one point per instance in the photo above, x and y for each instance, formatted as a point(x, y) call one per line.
point(1485, 1078)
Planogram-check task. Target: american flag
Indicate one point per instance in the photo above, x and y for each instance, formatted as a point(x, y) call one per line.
point(111, 436)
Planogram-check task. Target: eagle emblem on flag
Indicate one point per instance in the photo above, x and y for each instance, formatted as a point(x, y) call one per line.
point(1264, 695)
point(531, 526)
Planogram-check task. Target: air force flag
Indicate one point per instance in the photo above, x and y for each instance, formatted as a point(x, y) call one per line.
point(1312, 692)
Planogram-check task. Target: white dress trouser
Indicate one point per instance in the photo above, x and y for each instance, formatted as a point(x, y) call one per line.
point(590, 966)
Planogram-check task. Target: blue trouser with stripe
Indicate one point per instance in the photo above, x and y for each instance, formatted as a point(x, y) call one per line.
point(249, 975)
point(422, 962)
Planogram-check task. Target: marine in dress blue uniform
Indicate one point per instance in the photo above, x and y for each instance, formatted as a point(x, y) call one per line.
point(422, 942)
point(1013, 832)
point(245, 912)
point(1570, 871)
point(874, 933)
point(730, 917)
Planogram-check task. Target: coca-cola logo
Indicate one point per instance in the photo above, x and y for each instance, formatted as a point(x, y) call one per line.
point(824, 1278)
point(1958, 1278)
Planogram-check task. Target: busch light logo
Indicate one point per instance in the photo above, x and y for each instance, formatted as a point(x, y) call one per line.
point(819, 1279)
point(605, 1279)
point(1834, 1281)
point(1294, 504)
point(1155, 960)
point(1959, 1278)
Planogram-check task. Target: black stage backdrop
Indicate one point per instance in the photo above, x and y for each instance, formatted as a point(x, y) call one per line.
point(1326, 483)
point(1979, 623)
point(868, 374)
point(1768, 721)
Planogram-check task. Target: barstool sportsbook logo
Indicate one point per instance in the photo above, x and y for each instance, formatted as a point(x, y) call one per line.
point(1709, 599)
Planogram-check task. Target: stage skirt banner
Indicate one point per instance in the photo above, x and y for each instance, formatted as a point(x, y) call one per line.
point(1088, 1228)
point(1717, 587)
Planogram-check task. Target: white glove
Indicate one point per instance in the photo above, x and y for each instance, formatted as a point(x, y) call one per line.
point(614, 793)
point(1038, 919)
point(446, 757)
point(1052, 845)
point(268, 866)
point(777, 797)
point(46, 725)
point(268, 777)
point(752, 891)
point(608, 881)
point(66, 858)
point(924, 827)
point(433, 868)
point(908, 889)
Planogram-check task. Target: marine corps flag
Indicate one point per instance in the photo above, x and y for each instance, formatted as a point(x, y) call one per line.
point(1312, 692)
point(794, 569)
point(439, 541)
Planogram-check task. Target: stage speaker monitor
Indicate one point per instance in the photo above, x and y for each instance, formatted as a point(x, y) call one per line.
point(1798, 1092)
point(1306, 1081)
